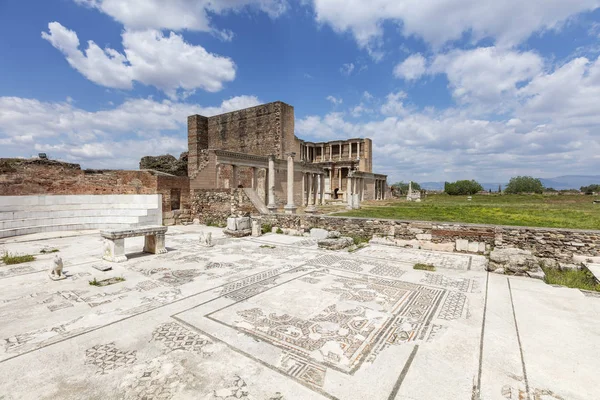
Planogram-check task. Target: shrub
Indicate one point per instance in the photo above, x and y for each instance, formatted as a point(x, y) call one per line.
point(524, 184)
point(266, 228)
point(463, 187)
point(279, 231)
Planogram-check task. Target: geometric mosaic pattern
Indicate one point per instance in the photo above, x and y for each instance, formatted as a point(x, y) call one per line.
point(107, 357)
point(461, 284)
point(231, 287)
point(252, 290)
point(302, 369)
point(453, 306)
point(177, 337)
point(387, 270)
point(150, 385)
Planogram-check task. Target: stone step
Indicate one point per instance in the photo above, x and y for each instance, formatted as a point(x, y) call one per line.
point(14, 215)
point(93, 219)
point(64, 227)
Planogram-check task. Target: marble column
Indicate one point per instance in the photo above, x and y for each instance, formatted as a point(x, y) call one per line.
point(349, 190)
point(339, 171)
point(310, 193)
point(271, 185)
point(218, 177)
point(254, 178)
point(321, 188)
point(358, 150)
point(235, 177)
point(290, 207)
point(304, 202)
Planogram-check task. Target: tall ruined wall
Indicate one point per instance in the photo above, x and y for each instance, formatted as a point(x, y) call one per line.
point(262, 130)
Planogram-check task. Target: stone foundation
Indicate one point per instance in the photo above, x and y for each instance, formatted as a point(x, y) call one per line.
point(560, 244)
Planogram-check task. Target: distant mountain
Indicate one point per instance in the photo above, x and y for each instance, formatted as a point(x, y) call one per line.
point(570, 181)
point(440, 186)
point(564, 182)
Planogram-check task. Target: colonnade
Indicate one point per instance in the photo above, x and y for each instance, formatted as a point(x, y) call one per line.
point(380, 189)
point(313, 183)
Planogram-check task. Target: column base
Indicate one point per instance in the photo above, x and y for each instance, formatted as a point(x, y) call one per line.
point(272, 208)
point(290, 208)
point(310, 209)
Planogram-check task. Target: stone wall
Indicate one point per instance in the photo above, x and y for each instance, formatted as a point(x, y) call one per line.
point(213, 206)
point(35, 176)
point(560, 244)
point(20, 177)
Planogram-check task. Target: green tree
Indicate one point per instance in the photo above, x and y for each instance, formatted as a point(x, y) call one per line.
point(401, 188)
point(463, 187)
point(590, 189)
point(524, 184)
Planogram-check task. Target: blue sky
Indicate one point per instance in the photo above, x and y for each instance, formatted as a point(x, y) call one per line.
point(451, 89)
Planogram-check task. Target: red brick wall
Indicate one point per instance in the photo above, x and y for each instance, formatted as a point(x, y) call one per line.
point(30, 177)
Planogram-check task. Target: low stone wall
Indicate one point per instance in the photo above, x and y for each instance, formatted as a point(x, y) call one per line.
point(213, 206)
point(560, 244)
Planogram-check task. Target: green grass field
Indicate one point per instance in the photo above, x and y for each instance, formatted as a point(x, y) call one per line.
point(563, 211)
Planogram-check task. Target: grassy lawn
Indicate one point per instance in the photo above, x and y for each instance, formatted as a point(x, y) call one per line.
point(564, 211)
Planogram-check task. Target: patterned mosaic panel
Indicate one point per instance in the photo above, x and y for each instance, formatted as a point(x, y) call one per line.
point(363, 312)
point(107, 357)
point(237, 285)
point(177, 337)
point(387, 270)
point(302, 369)
point(453, 306)
point(462, 284)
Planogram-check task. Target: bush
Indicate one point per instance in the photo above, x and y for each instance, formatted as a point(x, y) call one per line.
point(591, 189)
point(266, 228)
point(524, 184)
point(463, 187)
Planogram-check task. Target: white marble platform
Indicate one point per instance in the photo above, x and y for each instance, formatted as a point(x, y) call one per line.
point(274, 317)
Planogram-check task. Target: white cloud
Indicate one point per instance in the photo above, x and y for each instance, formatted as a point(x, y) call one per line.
point(508, 22)
point(487, 77)
point(347, 69)
point(413, 67)
point(166, 62)
point(550, 129)
point(394, 104)
point(180, 14)
point(334, 100)
point(116, 137)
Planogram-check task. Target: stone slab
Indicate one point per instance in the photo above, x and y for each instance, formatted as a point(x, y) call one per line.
point(319, 233)
point(102, 267)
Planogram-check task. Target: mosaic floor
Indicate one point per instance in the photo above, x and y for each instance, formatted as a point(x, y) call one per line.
point(276, 318)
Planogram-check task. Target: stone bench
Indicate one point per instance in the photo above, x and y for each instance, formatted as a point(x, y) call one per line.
point(114, 241)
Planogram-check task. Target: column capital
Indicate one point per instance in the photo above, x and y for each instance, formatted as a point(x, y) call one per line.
point(291, 154)
point(271, 157)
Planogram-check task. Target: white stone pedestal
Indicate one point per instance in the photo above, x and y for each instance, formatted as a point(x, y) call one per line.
point(155, 244)
point(114, 250)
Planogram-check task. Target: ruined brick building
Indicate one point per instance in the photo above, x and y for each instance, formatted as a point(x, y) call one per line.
point(241, 148)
